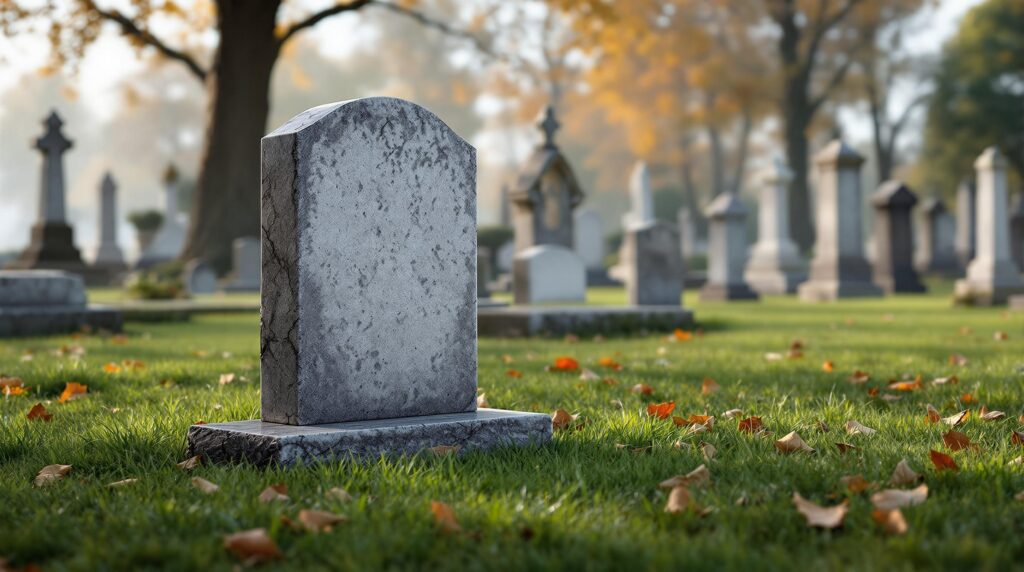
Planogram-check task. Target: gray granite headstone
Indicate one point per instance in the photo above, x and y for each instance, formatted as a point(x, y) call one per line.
point(199, 277)
point(894, 238)
point(42, 302)
point(966, 221)
point(108, 254)
point(727, 250)
point(589, 239)
point(652, 264)
point(775, 265)
point(368, 326)
point(245, 266)
point(936, 245)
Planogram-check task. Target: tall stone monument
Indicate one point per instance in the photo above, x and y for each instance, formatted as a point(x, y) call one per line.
point(169, 240)
point(1017, 229)
point(108, 253)
point(641, 199)
point(894, 238)
point(839, 269)
point(52, 244)
point(936, 244)
point(966, 219)
point(727, 250)
point(775, 265)
point(368, 323)
point(992, 275)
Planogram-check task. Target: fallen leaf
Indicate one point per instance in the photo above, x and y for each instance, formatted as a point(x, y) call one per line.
point(699, 477)
point(899, 498)
point(708, 450)
point(39, 413)
point(1000, 336)
point(855, 428)
point(444, 517)
point(993, 415)
point(855, 483)
point(642, 388)
point(119, 340)
point(858, 377)
point(792, 443)
point(661, 410)
point(932, 414)
point(609, 363)
point(340, 494)
point(481, 401)
point(822, 426)
point(957, 441)
point(954, 420)
point(732, 413)
point(226, 378)
point(112, 368)
point(561, 419)
point(844, 447)
point(904, 475)
point(190, 463)
point(773, 356)
point(957, 359)
point(72, 391)
point(951, 380)
point(967, 398)
point(319, 520)
point(1017, 437)
point(889, 397)
point(819, 516)
point(133, 364)
point(274, 493)
point(252, 546)
point(122, 483)
point(507, 359)
point(1019, 496)
point(912, 385)
point(588, 375)
point(514, 373)
point(708, 386)
point(678, 500)
point(444, 450)
point(682, 335)
point(6, 382)
point(828, 367)
point(750, 425)
point(204, 485)
point(51, 474)
point(942, 461)
point(891, 521)
point(565, 364)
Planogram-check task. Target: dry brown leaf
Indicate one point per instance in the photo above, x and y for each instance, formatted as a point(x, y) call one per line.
point(904, 475)
point(822, 426)
point(828, 367)
point(339, 494)
point(1000, 336)
point(122, 483)
point(678, 500)
point(844, 447)
point(444, 450)
point(792, 443)
point(226, 378)
point(39, 413)
point(589, 375)
point(855, 428)
point(952, 380)
point(481, 401)
point(820, 516)
point(1019, 496)
point(204, 485)
point(561, 419)
point(319, 521)
point(708, 450)
point(190, 463)
point(699, 477)
point(932, 414)
point(643, 389)
point(51, 474)
point(957, 359)
point(1017, 437)
point(859, 377)
point(252, 546)
point(444, 517)
point(954, 420)
point(942, 461)
point(733, 413)
point(750, 425)
point(891, 521)
point(899, 498)
point(708, 386)
point(274, 493)
point(956, 441)
point(993, 415)
point(855, 483)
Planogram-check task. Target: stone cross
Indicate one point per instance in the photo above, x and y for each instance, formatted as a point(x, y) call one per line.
point(108, 253)
point(369, 306)
point(641, 200)
point(53, 144)
point(549, 125)
point(839, 269)
point(894, 238)
point(966, 219)
point(936, 249)
point(775, 265)
point(992, 275)
point(1017, 229)
point(727, 250)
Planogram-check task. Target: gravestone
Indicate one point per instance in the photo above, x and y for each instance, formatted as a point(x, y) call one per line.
point(894, 238)
point(504, 207)
point(245, 266)
point(108, 254)
point(169, 240)
point(589, 240)
point(1017, 229)
point(936, 245)
point(775, 265)
point(727, 250)
point(687, 233)
point(966, 219)
point(839, 269)
point(992, 275)
point(199, 277)
point(45, 302)
point(652, 265)
point(52, 244)
point(483, 272)
point(368, 325)
point(641, 200)
point(548, 273)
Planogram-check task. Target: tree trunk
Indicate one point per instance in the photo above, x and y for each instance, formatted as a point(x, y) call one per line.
point(797, 113)
point(227, 203)
point(743, 149)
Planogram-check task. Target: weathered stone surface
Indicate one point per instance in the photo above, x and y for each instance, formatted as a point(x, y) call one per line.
point(169, 239)
point(894, 238)
point(589, 239)
point(652, 265)
point(108, 253)
point(199, 277)
point(548, 273)
point(727, 251)
point(369, 265)
point(839, 269)
point(19, 321)
point(936, 245)
point(272, 443)
point(966, 221)
point(519, 321)
point(245, 262)
point(775, 265)
point(21, 288)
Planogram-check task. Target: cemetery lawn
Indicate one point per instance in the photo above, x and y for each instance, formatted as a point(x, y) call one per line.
point(588, 500)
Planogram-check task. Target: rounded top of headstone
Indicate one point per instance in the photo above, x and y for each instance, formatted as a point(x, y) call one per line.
point(777, 172)
point(726, 205)
point(840, 154)
point(894, 194)
point(966, 185)
point(933, 205)
point(990, 158)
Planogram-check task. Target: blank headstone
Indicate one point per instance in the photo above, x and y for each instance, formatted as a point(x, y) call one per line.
point(199, 277)
point(589, 242)
point(775, 265)
point(894, 238)
point(548, 273)
point(727, 250)
point(652, 264)
point(936, 245)
point(108, 254)
point(966, 219)
point(245, 266)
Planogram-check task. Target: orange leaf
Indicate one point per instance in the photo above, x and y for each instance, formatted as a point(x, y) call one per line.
point(661, 410)
point(609, 363)
point(565, 364)
point(444, 517)
point(891, 521)
point(828, 366)
point(112, 368)
point(73, 390)
point(642, 388)
point(967, 398)
point(682, 335)
point(39, 412)
point(1017, 437)
point(561, 419)
point(932, 415)
point(708, 386)
point(9, 390)
point(905, 385)
point(252, 546)
point(943, 461)
point(855, 483)
point(678, 500)
point(957, 441)
point(750, 425)
point(514, 373)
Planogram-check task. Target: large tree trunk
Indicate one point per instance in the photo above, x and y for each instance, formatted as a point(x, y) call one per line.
point(797, 113)
point(227, 204)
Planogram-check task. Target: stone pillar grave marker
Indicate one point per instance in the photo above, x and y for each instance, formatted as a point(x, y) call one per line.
point(727, 250)
point(775, 265)
point(936, 250)
point(894, 239)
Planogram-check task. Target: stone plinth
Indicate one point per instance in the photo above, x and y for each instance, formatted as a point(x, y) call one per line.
point(652, 264)
point(521, 321)
point(548, 274)
point(775, 265)
point(894, 239)
point(839, 269)
point(727, 251)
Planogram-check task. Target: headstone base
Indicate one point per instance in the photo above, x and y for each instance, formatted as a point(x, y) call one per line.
point(966, 293)
point(519, 321)
point(829, 290)
point(774, 282)
point(46, 320)
point(263, 443)
point(722, 292)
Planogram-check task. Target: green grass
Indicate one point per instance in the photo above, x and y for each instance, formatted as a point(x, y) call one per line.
point(582, 501)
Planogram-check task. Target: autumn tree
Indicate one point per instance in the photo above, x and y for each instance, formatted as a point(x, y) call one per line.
point(249, 38)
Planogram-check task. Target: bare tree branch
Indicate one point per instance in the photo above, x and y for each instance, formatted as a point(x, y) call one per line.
point(437, 25)
point(315, 19)
point(823, 27)
point(130, 28)
point(833, 83)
